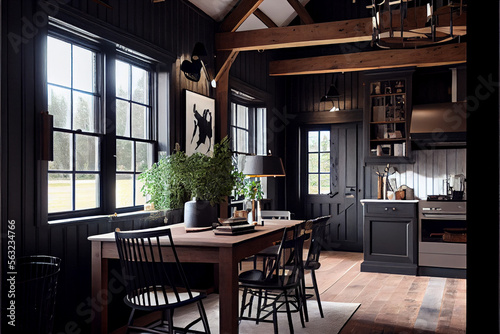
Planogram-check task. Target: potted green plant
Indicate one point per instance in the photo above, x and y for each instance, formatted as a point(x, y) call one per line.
point(197, 182)
point(209, 180)
point(164, 182)
point(250, 189)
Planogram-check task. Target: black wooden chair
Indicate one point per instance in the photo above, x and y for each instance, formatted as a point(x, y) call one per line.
point(312, 261)
point(152, 283)
point(271, 250)
point(279, 284)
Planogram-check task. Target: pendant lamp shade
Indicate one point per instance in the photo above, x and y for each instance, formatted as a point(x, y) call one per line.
point(263, 166)
point(332, 93)
point(198, 51)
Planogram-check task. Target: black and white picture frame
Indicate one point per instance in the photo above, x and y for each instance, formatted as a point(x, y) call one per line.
point(200, 123)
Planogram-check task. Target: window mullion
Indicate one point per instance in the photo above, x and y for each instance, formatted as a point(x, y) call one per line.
point(73, 169)
point(134, 167)
point(108, 157)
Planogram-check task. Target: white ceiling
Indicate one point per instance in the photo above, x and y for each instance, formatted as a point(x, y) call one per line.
point(279, 11)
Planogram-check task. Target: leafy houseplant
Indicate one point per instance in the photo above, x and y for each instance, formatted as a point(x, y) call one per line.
point(163, 181)
point(176, 179)
point(250, 189)
point(211, 178)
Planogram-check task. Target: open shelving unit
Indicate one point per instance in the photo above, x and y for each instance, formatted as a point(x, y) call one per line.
point(387, 117)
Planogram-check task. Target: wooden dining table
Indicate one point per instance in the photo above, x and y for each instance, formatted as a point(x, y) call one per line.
point(195, 247)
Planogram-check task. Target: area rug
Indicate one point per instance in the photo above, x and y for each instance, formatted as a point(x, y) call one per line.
point(336, 316)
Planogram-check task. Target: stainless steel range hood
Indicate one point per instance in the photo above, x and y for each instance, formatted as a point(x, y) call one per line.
point(441, 125)
point(438, 125)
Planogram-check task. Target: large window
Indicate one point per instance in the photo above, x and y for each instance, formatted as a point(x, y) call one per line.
point(248, 129)
point(133, 132)
point(75, 101)
point(79, 181)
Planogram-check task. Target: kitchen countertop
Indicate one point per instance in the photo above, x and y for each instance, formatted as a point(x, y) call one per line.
point(389, 201)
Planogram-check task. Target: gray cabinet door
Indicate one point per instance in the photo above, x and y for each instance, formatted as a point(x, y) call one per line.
point(390, 239)
point(331, 181)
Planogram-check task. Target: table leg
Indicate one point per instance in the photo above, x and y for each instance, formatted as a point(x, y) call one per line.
point(99, 284)
point(228, 292)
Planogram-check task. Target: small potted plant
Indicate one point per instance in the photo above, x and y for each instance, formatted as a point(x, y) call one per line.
point(250, 189)
point(197, 182)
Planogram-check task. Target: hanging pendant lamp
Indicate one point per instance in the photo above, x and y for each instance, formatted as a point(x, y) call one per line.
point(332, 95)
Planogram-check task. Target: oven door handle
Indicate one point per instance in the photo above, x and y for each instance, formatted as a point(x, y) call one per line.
point(444, 216)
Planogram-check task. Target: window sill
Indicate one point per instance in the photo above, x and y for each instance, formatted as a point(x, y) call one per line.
point(109, 218)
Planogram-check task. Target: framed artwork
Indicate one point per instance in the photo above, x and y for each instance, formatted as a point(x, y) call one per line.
point(200, 123)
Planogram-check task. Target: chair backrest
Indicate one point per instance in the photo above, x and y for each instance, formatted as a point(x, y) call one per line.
point(317, 239)
point(148, 277)
point(273, 214)
point(287, 264)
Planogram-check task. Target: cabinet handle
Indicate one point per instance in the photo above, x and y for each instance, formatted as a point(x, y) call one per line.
point(387, 209)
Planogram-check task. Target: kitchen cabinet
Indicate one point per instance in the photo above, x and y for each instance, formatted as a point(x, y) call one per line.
point(387, 116)
point(390, 236)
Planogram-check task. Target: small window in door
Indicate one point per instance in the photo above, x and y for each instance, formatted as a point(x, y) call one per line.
point(318, 162)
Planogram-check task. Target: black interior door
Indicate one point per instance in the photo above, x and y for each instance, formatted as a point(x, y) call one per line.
point(330, 181)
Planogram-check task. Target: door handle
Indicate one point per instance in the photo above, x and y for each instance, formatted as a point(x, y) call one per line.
point(332, 195)
point(350, 192)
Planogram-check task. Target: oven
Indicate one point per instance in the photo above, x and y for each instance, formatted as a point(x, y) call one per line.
point(442, 234)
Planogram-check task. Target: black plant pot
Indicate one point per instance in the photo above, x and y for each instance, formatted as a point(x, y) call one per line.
point(199, 214)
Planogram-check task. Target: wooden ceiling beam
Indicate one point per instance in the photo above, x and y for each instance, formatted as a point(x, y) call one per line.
point(240, 13)
point(301, 11)
point(224, 61)
point(264, 18)
point(362, 61)
point(347, 31)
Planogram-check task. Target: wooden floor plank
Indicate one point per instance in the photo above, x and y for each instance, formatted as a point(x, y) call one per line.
point(430, 308)
point(392, 303)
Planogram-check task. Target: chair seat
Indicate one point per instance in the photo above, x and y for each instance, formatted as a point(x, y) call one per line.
point(251, 276)
point(312, 265)
point(148, 299)
point(256, 279)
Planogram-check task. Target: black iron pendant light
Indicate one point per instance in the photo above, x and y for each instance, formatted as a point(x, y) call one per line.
point(332, 95)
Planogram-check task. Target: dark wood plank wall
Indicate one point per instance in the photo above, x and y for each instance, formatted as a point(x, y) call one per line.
point(252, 68)
point(173, 27)
point(306, 91)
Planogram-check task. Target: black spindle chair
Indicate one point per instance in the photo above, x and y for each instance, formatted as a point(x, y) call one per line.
point(312, 262)
point(279, 284)
point(152, 283)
